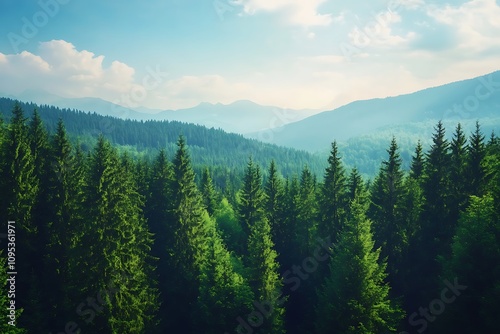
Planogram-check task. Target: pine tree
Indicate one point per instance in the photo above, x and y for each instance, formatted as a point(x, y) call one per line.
point(417, 162)
point(191, 239)
point(333, 198)
point(354, 297)
point(274, 200)
point(159, 214)
point(112, 248)
point(264, 278)
point(475, 168)
point(286, 232)
point(473, 270)
point(252, 198)
point(18, 193)
point(356, 187)
point(437, 228)
point(300, 304)
point(208, 192)
point(386, 212)
point(224, 295)
point(458, 173)
point(305, 232)
point(64, 185)
point(5, 319)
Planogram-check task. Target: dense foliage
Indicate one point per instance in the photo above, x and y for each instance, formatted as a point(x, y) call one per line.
point(109, 242)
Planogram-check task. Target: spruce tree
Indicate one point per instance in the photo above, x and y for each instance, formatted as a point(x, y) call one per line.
point(8, 325)
point(355, 297)
point(252, 198)
point(417, 162)
point(65, 184)
point(473, 271)
point(458, 173)
point(274, 200)
point(265, 280)
point(191, 240)
point(18, 193)
point(112, 248)
point(208, 192)
point(386, 212)
point(333, 197)
point(159, 214)
point(224, 295)
point(437, 228)
point(306, 226)
point(356, 187)
point(475, 163)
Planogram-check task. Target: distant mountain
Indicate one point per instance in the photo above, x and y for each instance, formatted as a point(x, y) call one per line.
point(92, 104)
point(226, 152)
point(238, 117)
point(464, 101)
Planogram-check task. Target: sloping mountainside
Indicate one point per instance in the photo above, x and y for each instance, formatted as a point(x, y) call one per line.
point(238, 117)
point(214, 147)
point(464, 101)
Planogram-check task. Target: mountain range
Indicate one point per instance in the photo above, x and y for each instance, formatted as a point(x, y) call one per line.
point(238, 117)
point(463, 101)
point(363, 129)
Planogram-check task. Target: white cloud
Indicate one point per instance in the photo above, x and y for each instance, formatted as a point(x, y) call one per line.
point(378, 32)
point(476, 23)
point(62, 70)
point(298, 12)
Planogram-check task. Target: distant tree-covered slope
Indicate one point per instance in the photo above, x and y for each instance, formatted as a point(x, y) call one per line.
point(212, 147)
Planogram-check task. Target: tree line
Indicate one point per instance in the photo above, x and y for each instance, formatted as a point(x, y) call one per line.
point(110, 243)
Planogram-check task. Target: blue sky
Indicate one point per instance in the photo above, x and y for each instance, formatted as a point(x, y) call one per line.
point(174, 54)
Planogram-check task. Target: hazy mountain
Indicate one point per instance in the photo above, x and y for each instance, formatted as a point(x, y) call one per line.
point(464, 101)
point(238, 117)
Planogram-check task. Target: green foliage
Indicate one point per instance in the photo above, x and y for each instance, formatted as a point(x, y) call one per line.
point(354, 297)
point(5, 327)
point(252, 199)
point(224, 294)
point(208, 192)
point(386, 212)
point(129, 242)
point(475, 264)
point(333, 197)
point(264, 278)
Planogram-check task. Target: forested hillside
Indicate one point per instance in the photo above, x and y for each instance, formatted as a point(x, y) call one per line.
point(225, 153)
point(108, 243)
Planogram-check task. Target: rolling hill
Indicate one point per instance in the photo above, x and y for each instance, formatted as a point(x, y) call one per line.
point(464, 101)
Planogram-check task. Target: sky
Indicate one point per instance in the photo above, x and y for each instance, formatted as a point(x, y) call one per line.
point(299, 54)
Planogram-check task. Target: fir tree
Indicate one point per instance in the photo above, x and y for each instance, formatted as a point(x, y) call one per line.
point(458, 173)
point(264, 277)
point(417, 162)
point(191, 239)
point(386, 212)
point(473, 270)
point(18, 193)
point(333, 198)
point(475, 168)
point(437, 228)
point(274, 200)
point(224, 295)
point(8, 325)
point(208, 192)
point(252, 198)
point(113, 248)
point(354, 297)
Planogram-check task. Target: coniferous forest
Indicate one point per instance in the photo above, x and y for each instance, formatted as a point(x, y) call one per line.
point(111, 242)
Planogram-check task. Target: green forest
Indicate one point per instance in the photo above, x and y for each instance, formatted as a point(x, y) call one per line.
point(114, 240)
